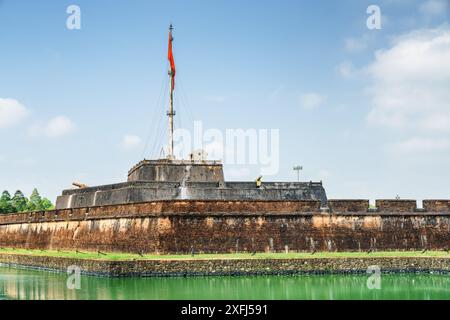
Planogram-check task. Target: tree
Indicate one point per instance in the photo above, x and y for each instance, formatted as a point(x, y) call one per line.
point(47, 204)
point(19, 202)
point(5, 203)
point(35, 203)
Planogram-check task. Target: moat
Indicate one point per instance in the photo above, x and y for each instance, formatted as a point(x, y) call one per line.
point(39, 285)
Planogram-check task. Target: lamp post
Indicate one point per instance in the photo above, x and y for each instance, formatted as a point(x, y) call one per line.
point(298, 169)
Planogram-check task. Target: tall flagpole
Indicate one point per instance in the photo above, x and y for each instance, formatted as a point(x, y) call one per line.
point(171, 113)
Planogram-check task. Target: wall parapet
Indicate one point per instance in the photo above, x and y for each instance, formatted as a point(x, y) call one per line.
point(204, 208)
point(436, 205)
point(343, 206)
point(396, 205)
point(169, 207)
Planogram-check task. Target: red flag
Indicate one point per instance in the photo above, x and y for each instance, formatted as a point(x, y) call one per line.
point(171, 59)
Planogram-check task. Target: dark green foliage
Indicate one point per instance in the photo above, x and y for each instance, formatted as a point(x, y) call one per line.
point(5, 203)
point(20, 203)
point(47, 204)
point(34, 204)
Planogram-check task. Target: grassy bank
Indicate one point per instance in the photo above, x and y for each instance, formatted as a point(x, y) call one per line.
point(129, 256)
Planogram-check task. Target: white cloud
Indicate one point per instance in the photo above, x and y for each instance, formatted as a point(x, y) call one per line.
point(130, 142)
point(56, 127)
point(312, 100)
point(357, 44)
point(420, 145)
point(432, 8)
point(59, 126)
point(346, 70)
point(437, 123)
point(411, 81)
point(11, 112)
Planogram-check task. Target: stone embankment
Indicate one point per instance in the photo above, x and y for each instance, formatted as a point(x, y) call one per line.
point(229, 267)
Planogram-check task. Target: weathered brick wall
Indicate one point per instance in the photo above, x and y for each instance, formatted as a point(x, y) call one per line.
point(230, 226)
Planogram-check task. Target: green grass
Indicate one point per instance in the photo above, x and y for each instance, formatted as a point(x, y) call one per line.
point(129, 256)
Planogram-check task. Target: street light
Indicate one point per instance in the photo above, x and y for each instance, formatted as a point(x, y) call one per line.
point(298, 169)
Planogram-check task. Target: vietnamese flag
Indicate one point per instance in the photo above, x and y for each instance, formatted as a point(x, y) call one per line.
point(171, 59)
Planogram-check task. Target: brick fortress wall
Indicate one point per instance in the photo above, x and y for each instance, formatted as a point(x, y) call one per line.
point(234, 226)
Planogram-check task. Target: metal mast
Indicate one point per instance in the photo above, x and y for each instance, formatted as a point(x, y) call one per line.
point(298, 169)
point(171, 113)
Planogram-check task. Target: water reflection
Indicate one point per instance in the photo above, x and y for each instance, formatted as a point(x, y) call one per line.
point(36, 285)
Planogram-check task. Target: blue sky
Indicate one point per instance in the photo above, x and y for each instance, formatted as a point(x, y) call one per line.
point(366, 111)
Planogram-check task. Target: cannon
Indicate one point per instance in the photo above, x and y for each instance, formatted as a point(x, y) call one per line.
point(79, 185)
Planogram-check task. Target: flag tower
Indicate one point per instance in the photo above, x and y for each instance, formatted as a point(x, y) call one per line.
point(171, 113)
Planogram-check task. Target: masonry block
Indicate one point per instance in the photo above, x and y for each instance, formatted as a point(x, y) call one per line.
point(436, 205)
point(342, 206)
point(396, 205)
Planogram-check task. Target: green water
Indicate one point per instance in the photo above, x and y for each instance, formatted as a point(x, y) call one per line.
point(38, 285)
